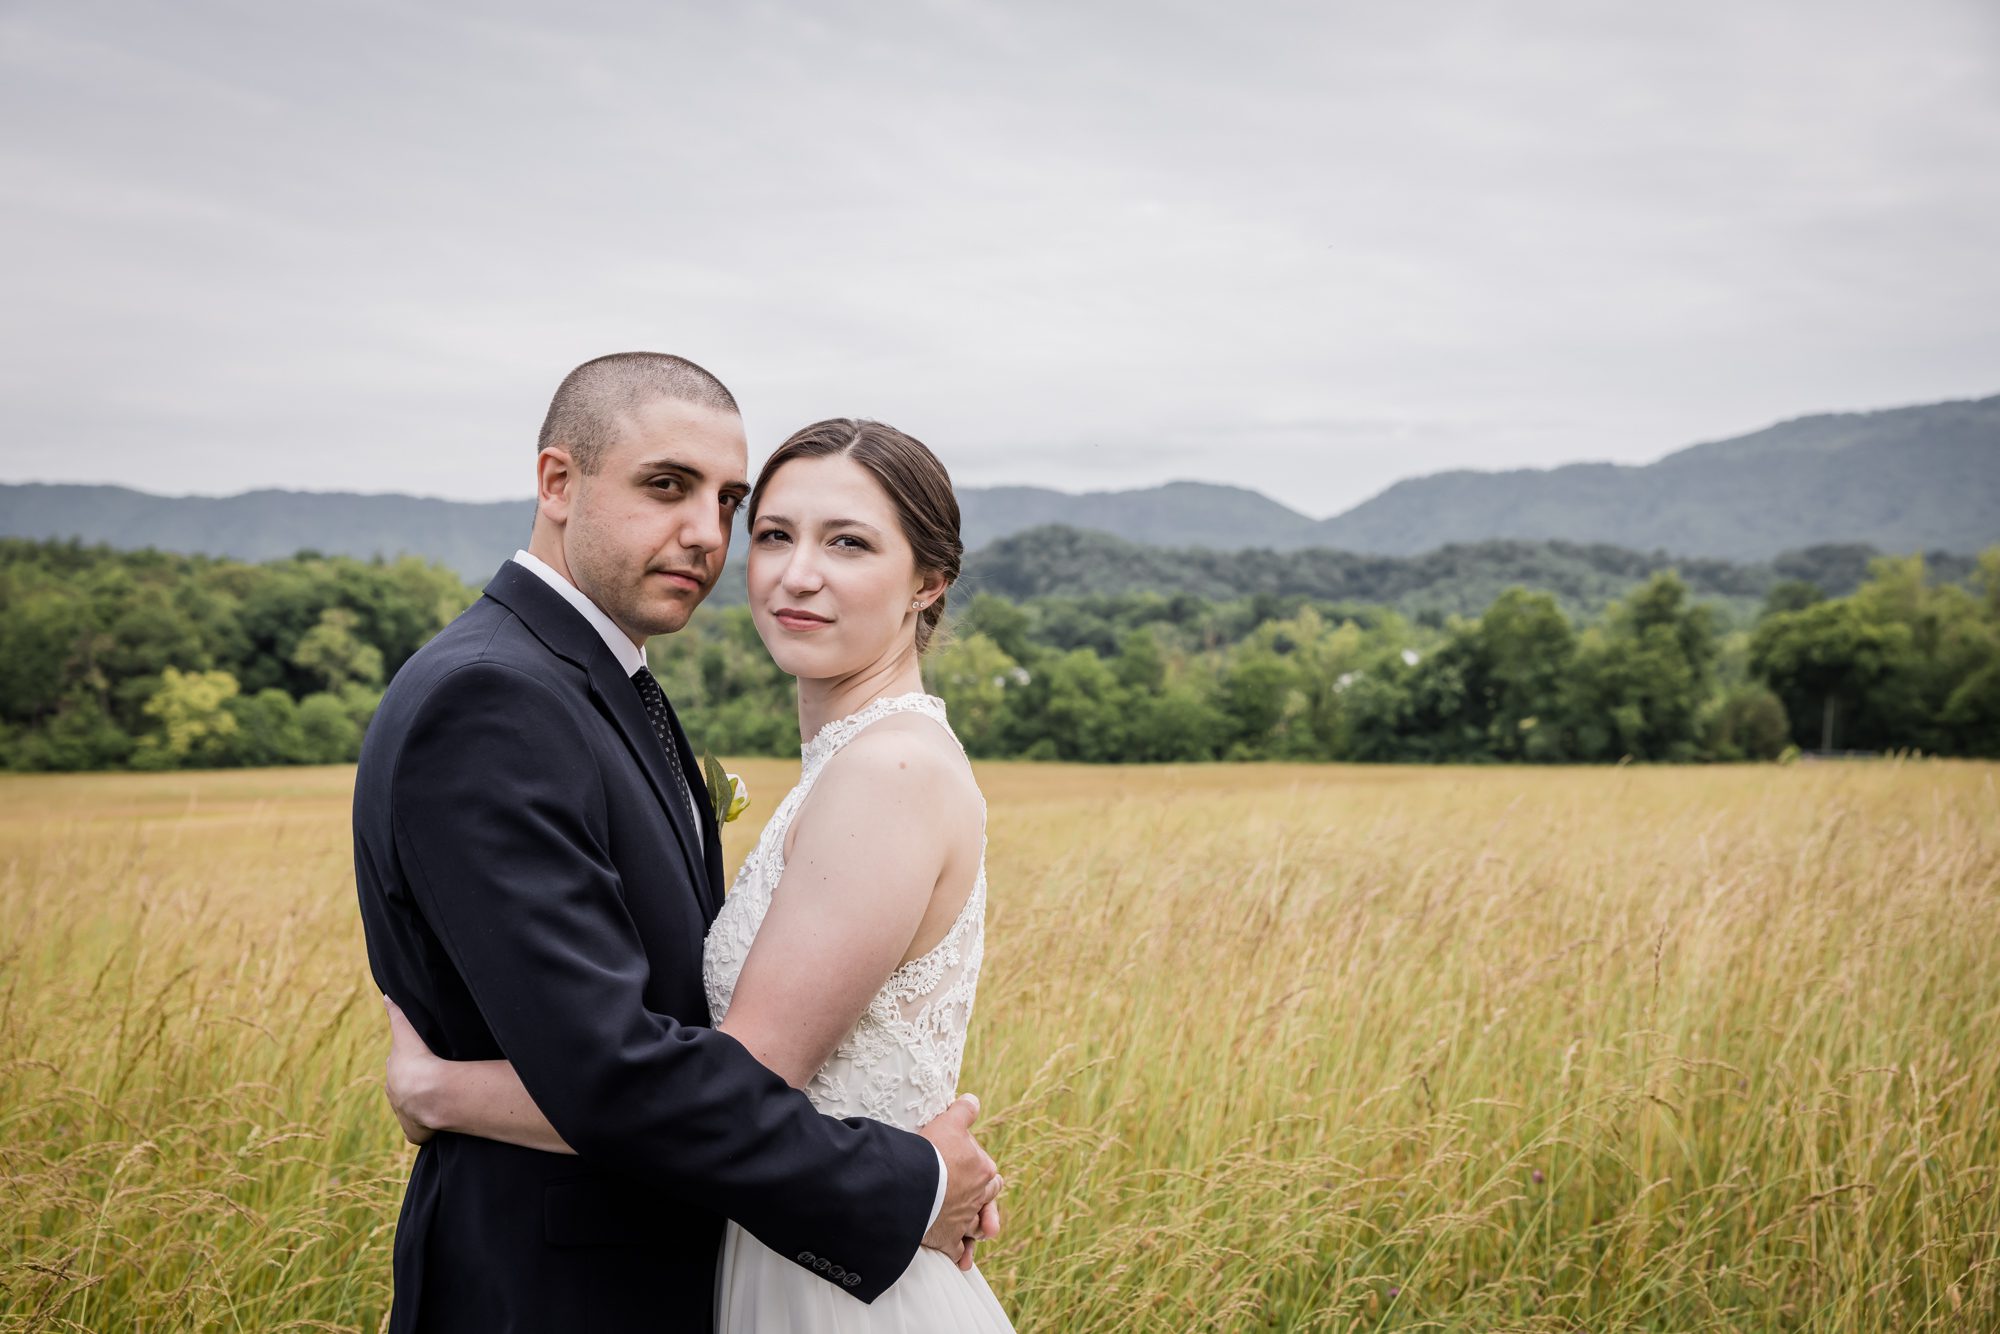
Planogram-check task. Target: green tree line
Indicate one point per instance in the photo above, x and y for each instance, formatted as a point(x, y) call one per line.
point(153, 661)
point(145, 660)
point(1459, 578)
point(1905, 662)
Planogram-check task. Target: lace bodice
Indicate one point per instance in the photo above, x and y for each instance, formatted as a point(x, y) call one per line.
point(900, 1062)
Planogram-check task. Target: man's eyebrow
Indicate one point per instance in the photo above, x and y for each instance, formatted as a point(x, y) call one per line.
point(666, 463)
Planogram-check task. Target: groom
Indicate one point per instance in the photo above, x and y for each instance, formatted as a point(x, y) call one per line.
point(537, 866)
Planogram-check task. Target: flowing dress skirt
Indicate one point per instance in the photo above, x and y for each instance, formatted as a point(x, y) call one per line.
point(759, 1291)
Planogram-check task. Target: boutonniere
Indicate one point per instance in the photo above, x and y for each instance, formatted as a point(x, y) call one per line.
point(727, 793)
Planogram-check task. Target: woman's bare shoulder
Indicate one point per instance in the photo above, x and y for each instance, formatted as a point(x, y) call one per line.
point(907, 756)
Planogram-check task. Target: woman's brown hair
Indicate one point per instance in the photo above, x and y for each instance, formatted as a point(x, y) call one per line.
point(916, 483)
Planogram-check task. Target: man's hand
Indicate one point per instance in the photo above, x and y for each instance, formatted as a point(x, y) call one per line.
point(971, 1182)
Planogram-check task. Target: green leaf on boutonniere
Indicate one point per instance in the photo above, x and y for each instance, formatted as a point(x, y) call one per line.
point(727, 794)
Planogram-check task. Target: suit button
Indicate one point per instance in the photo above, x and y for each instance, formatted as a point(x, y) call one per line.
point(805, 1257)
point(851, 1280)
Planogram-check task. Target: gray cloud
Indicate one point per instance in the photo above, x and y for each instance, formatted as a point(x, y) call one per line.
point(1310, 248)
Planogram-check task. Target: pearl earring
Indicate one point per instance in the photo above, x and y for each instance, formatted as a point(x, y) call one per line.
point(916, 606)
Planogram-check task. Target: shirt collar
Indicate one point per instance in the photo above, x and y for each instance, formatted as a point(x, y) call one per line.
point(628, 655)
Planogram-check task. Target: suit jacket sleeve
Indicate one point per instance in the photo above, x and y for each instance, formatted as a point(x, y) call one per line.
point(500, 828)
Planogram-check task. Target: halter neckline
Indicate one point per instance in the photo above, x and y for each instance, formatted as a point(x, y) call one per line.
point(832, 735)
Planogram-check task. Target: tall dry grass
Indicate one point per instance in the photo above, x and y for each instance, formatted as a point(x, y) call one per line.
point(1261, 1047)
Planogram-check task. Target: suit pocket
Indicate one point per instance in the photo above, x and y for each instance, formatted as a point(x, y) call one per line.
point(588, 1211)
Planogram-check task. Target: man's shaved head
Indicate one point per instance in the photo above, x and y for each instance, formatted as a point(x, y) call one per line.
point(592, 399)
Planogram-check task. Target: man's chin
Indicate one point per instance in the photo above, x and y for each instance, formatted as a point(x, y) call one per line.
point(664, 618)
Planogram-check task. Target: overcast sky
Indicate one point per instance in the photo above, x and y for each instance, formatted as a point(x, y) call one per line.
point(1306, 248)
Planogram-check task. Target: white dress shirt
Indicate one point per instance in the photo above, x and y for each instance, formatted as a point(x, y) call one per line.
point(632, 658)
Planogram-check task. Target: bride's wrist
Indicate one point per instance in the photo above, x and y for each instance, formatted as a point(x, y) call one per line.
point(429, 1100)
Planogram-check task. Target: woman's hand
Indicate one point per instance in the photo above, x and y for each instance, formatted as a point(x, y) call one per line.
point(412, 1072)
point(987, 1229)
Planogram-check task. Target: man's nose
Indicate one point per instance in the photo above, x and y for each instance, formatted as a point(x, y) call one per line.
point(702, 528)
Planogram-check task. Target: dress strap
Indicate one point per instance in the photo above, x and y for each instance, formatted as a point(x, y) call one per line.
point(831, 737)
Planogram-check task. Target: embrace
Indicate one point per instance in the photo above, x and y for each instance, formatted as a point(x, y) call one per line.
point(644, 1106)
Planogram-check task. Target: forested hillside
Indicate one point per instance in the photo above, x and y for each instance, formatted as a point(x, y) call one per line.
point(1907, 479)
point(157, 661)
point(1462, 579)
point(470, 538)
point(1178, 514)
point(474, 538)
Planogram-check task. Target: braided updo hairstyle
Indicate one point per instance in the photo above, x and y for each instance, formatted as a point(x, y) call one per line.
point(916, 483)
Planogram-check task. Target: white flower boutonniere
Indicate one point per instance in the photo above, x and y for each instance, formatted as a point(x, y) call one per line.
point(727, 792)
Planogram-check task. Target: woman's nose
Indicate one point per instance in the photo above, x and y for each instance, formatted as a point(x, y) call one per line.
point(801, 573)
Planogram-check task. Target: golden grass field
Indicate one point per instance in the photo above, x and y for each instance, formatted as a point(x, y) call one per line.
point(1262, 1047)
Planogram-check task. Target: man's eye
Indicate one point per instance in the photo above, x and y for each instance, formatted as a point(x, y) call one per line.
point(667, 483)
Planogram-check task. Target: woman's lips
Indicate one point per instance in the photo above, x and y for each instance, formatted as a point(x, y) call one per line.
point(800, 620)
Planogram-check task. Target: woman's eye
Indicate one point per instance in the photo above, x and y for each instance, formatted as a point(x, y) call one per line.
point(771, 535)
point(850, 542)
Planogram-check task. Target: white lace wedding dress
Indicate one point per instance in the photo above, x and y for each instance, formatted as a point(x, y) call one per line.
point(899, 1064)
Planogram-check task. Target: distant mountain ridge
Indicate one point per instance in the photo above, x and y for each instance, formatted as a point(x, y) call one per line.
point(1903, 479)
point(473, 538)
point(1178, 514)
point(470, 537)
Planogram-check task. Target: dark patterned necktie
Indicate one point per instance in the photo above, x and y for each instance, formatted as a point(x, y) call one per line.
point(662, 718)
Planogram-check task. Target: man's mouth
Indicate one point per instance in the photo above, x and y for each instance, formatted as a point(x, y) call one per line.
point(687, 579)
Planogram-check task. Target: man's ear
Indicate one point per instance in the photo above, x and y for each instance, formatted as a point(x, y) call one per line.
point(555, 482)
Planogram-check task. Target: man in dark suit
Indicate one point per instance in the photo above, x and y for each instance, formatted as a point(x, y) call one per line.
point(538, 864)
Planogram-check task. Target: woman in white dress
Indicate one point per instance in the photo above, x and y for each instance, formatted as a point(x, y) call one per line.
point(846, 955)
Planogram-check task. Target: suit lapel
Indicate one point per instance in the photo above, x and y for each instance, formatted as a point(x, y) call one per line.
point(570, 637)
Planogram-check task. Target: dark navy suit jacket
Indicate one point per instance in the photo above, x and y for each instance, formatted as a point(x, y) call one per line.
point(532, 888)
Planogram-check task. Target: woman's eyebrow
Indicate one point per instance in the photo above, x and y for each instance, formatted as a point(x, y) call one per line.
point(789, 522)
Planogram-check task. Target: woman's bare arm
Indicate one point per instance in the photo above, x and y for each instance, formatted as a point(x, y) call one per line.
point(868, 848)
point(482, 1098)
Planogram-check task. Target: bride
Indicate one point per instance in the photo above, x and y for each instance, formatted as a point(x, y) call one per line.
point(847, 953)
